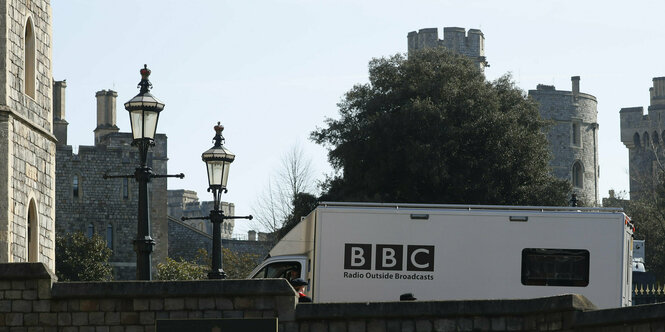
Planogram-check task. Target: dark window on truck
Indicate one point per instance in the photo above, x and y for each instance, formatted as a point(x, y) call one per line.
point(286, 270)
point(555, 267)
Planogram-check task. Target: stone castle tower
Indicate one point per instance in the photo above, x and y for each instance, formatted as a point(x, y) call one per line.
point(90, 204)
point(27, 143)
point(573, 136)
point(643, 135)
point(454, 39)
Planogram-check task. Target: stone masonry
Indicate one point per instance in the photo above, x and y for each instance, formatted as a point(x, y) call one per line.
point(27, 145)
point(573, 137)
point(30, 300)
point(454, 39)
point(186, 203)
point(187, 240)
point(644, 136)
point(91, 204)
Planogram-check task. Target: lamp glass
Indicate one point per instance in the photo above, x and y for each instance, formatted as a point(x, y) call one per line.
point(218, 172)
point(144, 123)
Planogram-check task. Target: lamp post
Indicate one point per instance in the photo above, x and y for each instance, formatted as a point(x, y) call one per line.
point(218, 159)
point(144, 111)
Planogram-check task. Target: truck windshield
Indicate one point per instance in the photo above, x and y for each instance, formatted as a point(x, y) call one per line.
point(287, 270)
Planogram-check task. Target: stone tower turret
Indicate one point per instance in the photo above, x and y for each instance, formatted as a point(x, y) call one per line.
point(574, 136)
point(105, 114)
point(59, 122)
point(454, 39)
point(27, 143)
point(643, 135)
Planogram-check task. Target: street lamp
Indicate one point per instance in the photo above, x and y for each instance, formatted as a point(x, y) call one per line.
point(218, 159)
point(144, 111)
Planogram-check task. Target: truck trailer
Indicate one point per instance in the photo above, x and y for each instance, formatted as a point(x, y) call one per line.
point(369, 252)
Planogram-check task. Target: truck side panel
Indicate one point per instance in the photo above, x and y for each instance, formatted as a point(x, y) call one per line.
point(376, 254)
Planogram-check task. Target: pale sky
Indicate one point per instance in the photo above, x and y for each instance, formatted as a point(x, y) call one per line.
point(272, 71)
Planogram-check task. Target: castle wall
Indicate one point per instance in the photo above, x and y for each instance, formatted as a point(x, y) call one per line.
point(102, 202)
point(643, 135)
point(454, 39)
point(27, 172)
point(30, 300)
point(187, 240)
point(573, 136)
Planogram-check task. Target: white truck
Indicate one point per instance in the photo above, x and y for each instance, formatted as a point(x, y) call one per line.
point(364, 252)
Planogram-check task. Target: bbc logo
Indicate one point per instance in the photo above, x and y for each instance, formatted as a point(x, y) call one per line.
point(388, 257)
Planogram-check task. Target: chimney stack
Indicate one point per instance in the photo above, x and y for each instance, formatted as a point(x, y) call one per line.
point(105, 114)
point(576, 85)
point(59, 122)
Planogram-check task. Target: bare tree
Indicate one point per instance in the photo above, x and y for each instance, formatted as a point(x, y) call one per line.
point(275, 204)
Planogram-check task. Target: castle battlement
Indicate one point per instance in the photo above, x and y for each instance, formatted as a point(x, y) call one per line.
point(643, 134)
point(471, 44)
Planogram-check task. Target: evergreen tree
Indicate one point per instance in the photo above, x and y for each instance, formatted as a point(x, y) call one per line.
point(429, 128)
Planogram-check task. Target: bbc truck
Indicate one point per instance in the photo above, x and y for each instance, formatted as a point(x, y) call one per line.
point(361, 252)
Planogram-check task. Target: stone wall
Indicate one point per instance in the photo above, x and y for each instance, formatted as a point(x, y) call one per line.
point(454, 39)
point(572, 111)
point(644, 136)
point(27, 146)
point(186, 240)
point(31, 301)
point(102, 203)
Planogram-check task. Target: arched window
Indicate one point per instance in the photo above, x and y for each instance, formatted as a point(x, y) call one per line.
point(636, 140)
point(29, 60)
point(655, 139)
point(75, 186)
point(645, 140)
point(578, 175)
point(90, 231)
point(33, 233)
point(109, 236)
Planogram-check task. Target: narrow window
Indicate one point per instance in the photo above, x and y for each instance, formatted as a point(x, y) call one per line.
point(29, 61)
point(636, 140)
point(33, 233)
point(75, 186)
point(109, 236)
point(555, 267)
point(645, 139)
point(90, 231)
point(576, 134)
point(125, 188)
point(578, 175)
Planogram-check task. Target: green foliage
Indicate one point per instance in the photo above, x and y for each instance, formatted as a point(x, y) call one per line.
point(239, 265)
point(79, 258)
point(431, 129)
point(647, 211)
point(182, 269)
point(235, 265)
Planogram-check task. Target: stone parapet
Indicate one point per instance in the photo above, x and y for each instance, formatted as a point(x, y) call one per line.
point(28, 302)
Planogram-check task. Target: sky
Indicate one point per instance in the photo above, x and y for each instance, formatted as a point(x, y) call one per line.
point(272, 71)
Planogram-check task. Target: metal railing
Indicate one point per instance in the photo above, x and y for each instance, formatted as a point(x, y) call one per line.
point(648, 293)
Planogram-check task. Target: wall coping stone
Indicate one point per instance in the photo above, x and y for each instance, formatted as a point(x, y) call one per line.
point(645, 312)
point(441, 309)
point(161, 288)
point(22, 271)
